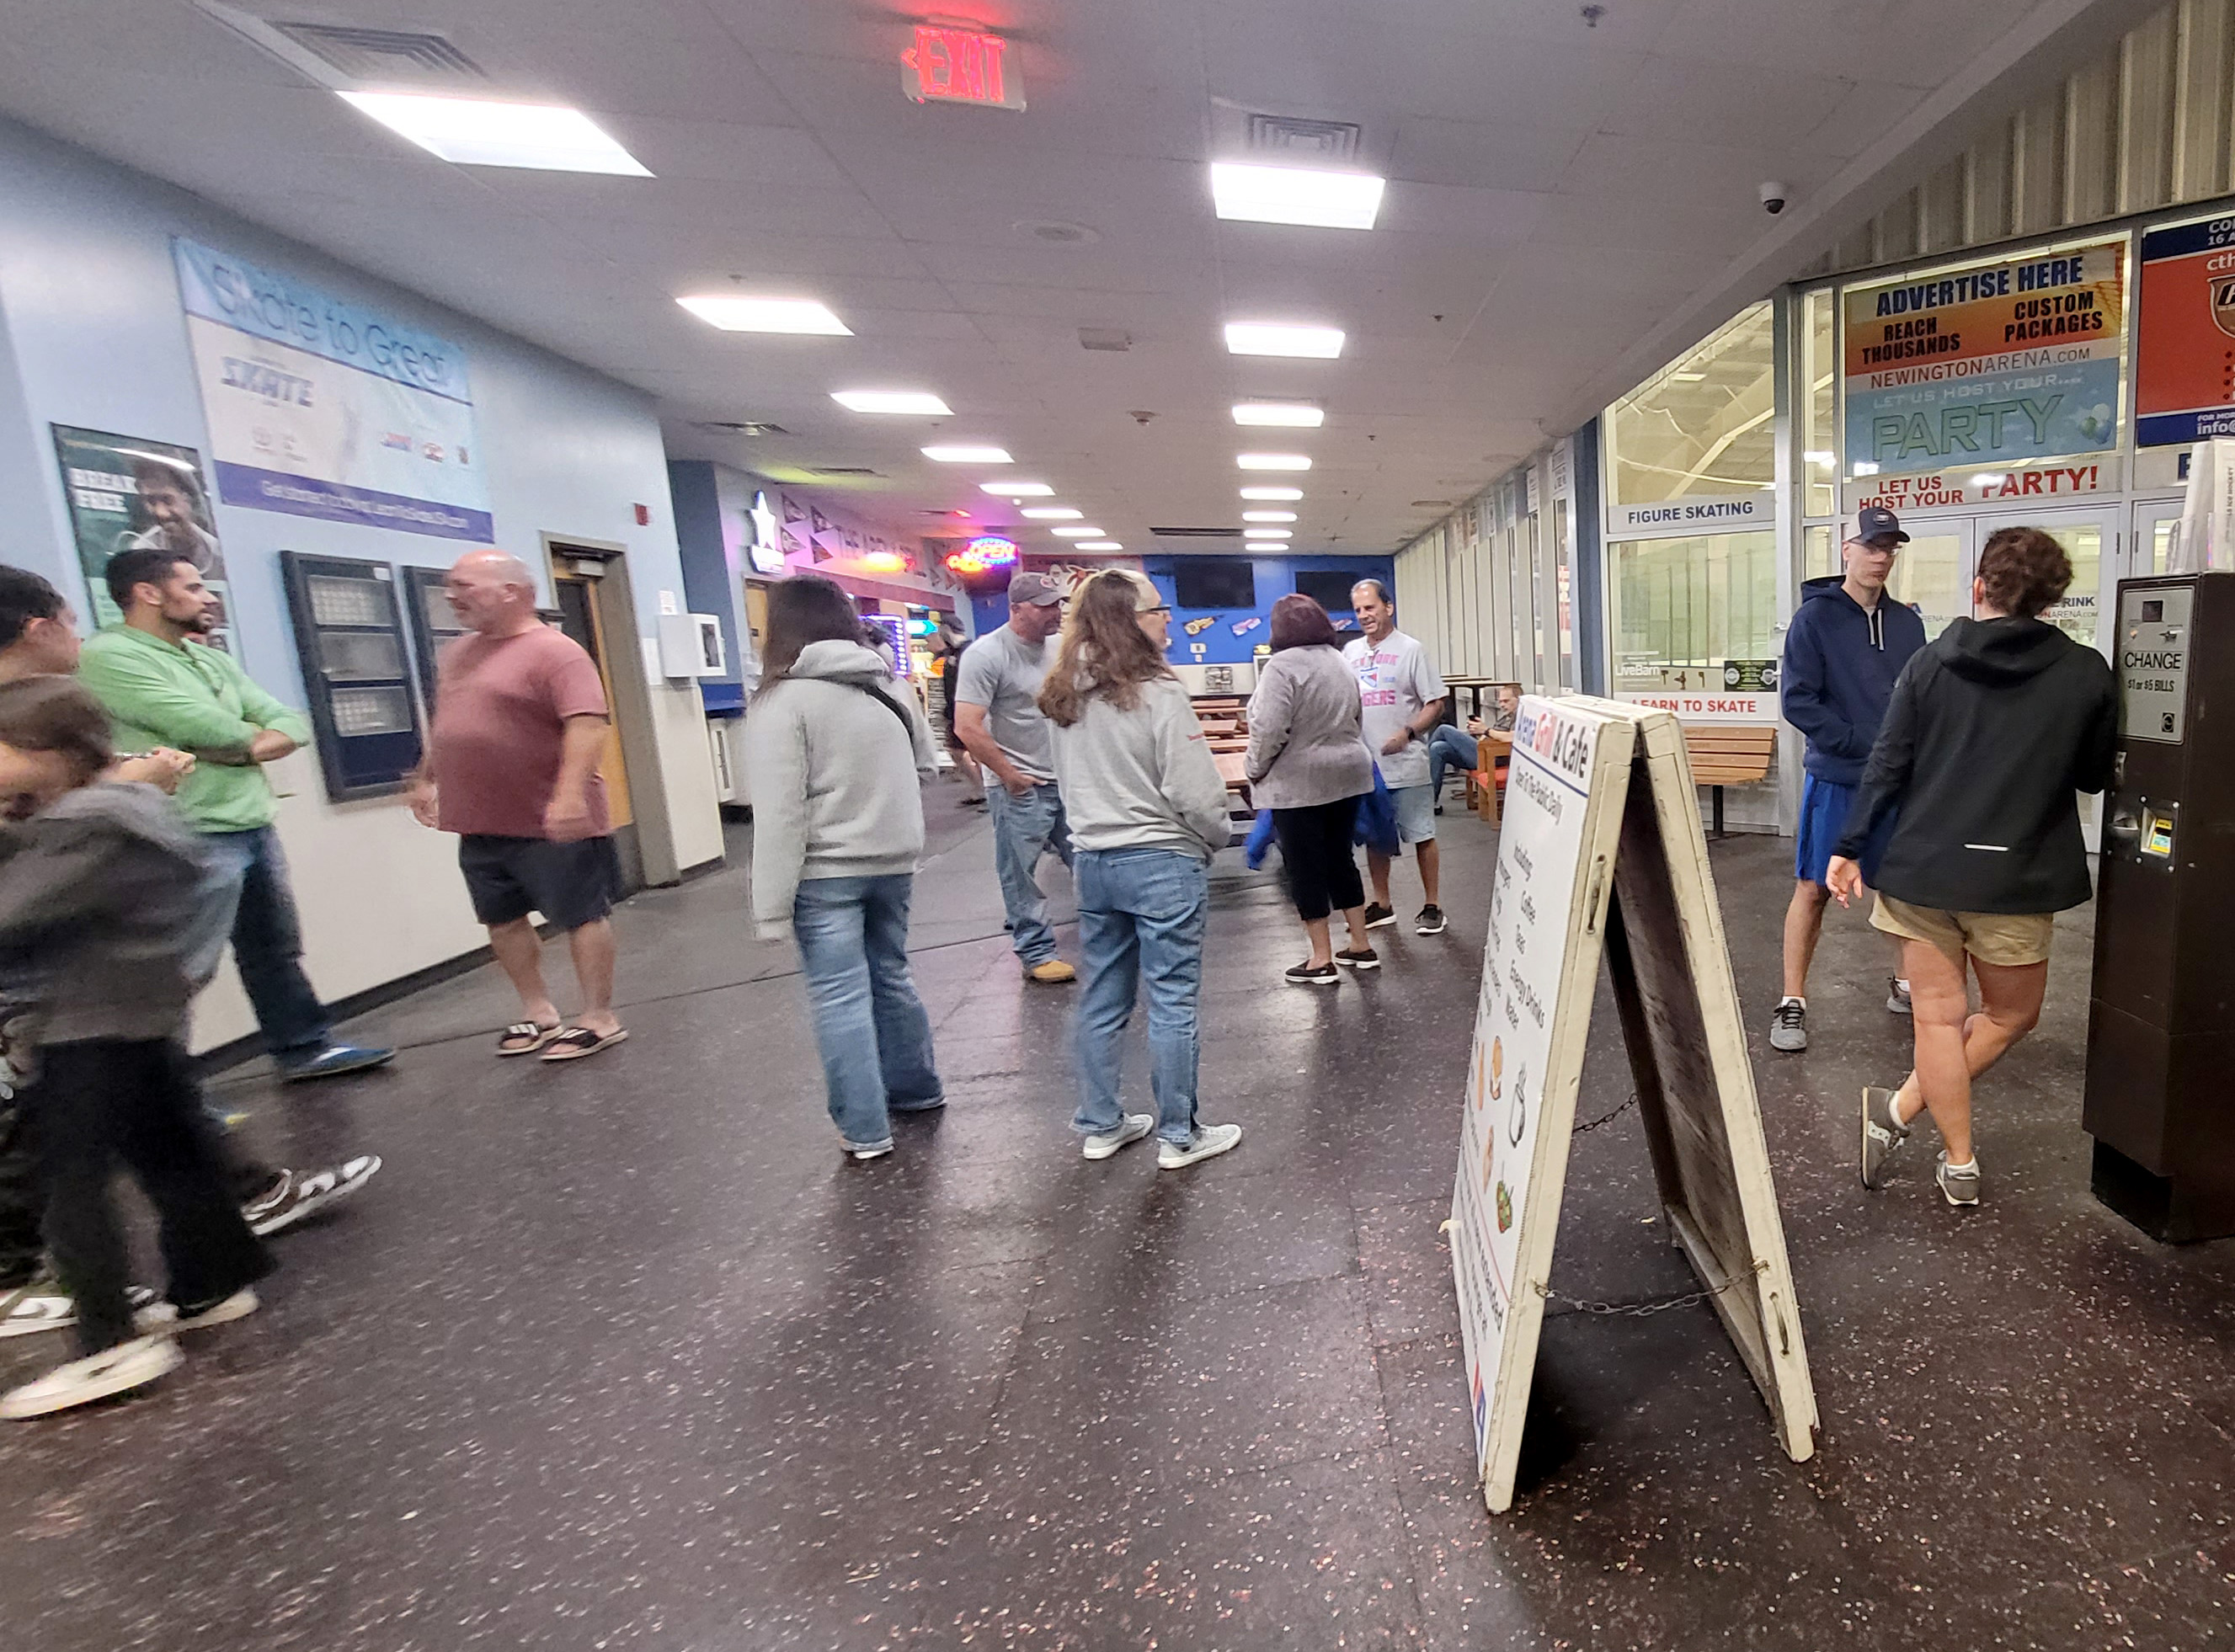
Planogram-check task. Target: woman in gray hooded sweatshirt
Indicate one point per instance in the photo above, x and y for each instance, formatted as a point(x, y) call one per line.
point(833, 752)
point(1147, 810)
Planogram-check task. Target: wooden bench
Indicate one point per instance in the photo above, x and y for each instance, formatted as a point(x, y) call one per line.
point(1728, 754)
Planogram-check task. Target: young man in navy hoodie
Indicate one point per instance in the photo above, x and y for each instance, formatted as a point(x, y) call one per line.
point(1846, 646)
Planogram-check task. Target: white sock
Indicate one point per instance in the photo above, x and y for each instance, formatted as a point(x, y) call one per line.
point(1789, 999)
point(1899, 982)
point(1968, 1167)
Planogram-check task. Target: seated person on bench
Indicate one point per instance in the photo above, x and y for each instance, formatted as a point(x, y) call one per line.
point(1447, 745)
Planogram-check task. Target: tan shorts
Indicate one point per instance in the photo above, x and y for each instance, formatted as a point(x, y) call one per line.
point(2006, 939)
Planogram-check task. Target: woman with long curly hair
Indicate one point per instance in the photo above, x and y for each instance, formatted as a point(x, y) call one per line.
point(1147, 808)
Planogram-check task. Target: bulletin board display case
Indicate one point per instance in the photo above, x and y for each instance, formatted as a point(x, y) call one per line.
point(433, 627)
point(356, 671)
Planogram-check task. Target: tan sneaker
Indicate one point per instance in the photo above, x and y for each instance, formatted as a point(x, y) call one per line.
point(1054, 972)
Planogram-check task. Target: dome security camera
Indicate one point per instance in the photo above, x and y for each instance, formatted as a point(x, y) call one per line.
point(1772, 198)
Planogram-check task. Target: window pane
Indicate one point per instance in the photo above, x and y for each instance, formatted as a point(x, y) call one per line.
point(1820, 553)
point(1819, 460)
point(1705, 426)
point(1693, 602)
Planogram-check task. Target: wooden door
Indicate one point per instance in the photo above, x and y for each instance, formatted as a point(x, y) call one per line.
point(579, 619)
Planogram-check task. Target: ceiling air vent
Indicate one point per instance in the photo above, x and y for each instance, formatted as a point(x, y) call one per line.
point(347, 57)
point(1115, 338)
point(382, 54)
point(1284, 134)
point(839, 470)
point(744, 427)
point(1197, 533)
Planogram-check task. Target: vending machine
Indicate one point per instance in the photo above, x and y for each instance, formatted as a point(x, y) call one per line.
point(2160, 1093)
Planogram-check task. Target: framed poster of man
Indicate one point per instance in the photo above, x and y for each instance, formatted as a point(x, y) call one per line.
point(126, 493)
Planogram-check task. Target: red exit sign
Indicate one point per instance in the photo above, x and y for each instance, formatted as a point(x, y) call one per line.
point(960, 65)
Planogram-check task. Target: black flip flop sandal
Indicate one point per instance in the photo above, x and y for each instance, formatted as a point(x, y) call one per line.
point(573, 1043)
point(536, 1036)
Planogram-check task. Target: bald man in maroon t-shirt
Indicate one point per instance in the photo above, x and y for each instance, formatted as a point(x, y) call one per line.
point(512, 767)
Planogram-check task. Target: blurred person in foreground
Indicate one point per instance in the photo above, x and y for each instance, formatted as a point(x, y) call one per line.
point(1307, 763)
point(1147, 808)
point(1992, 728)
point(38, 638)
point(98, 905)
point(835, 751)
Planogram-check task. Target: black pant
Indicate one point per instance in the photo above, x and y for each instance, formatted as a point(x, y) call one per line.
point(1321, 863)
point(23, 1244)
point(101, 1101)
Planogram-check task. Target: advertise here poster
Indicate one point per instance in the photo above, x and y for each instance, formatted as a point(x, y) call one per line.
point(320, 406)
point(127, 493)
point(1532, 908)
point(2185, 350)
point(1998, 365)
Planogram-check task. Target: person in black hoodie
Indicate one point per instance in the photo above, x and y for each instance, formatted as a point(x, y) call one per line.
point(1991, 729)
point(1846, 644)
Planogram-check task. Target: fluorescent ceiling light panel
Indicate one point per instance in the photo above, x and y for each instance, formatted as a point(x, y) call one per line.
point(962, 453)
point(1077, 532)
point(1268, 515)
point(1267, 532)
point(1272, 461)
point(734, 313)
point(1298, 416)
point(1052, 514)
point(1098, 545)
point(475, 132)
point(1017, 489)
point(1272, 493)
point(1282, 339)
point(921, 403)
point(1309, 195)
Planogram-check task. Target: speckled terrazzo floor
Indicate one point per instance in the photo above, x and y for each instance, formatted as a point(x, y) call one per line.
point(623, 1356)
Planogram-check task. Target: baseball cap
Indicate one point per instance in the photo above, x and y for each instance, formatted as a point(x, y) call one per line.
point(1033, 591)
point(1877, 522)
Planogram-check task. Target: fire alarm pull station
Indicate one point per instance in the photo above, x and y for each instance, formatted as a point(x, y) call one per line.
point(2161, 1014)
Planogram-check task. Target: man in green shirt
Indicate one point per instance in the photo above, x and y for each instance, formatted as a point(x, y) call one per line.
point(162, 689)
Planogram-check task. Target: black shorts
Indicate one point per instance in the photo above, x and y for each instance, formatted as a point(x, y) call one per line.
point(571, 884)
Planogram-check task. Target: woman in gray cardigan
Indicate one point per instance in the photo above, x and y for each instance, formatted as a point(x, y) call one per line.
point(1309, 765)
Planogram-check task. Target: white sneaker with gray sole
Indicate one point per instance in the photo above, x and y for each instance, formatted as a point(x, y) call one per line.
point(159, 1319)
point(1207, 1143)
point(1133, 1126)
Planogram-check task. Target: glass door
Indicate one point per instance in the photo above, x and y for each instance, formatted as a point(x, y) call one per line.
point(2150, 548)
point(2092, 541)
point(1933, 573)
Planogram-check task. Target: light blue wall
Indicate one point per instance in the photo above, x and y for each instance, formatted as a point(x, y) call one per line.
point(91, 334)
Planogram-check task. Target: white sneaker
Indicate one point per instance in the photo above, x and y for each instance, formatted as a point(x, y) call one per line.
point(1134, 1126)
point(1209, 1143)
point(112, 1371)
point(161, 1317)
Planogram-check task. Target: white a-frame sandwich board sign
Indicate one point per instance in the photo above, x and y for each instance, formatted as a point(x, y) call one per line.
point(1601, 853)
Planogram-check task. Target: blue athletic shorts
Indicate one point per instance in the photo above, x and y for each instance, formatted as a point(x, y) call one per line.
point(1823, 806)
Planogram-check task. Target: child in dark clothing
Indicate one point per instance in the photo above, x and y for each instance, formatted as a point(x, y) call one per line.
point(97, 891)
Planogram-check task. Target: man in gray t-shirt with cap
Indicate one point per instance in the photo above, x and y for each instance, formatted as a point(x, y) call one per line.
point(997, 718)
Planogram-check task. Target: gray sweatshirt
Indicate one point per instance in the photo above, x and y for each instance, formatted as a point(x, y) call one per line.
point(1305, 748)
point(1142, 778)
point(832, 773)
point(97, 902)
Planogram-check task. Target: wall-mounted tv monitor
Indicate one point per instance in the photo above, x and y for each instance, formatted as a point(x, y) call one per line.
point(1214, 582)
point(1329, 588)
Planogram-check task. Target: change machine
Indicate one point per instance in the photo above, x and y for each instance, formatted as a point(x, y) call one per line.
point(2160, 1100)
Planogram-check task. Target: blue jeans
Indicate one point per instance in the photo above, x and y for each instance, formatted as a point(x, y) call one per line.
point(245, 899)
point(1024, 830)
point(1141, 914)
point(1448, 745)
point(869, 1024)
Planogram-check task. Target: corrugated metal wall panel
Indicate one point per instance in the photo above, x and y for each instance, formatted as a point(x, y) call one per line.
point(2150, 124)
